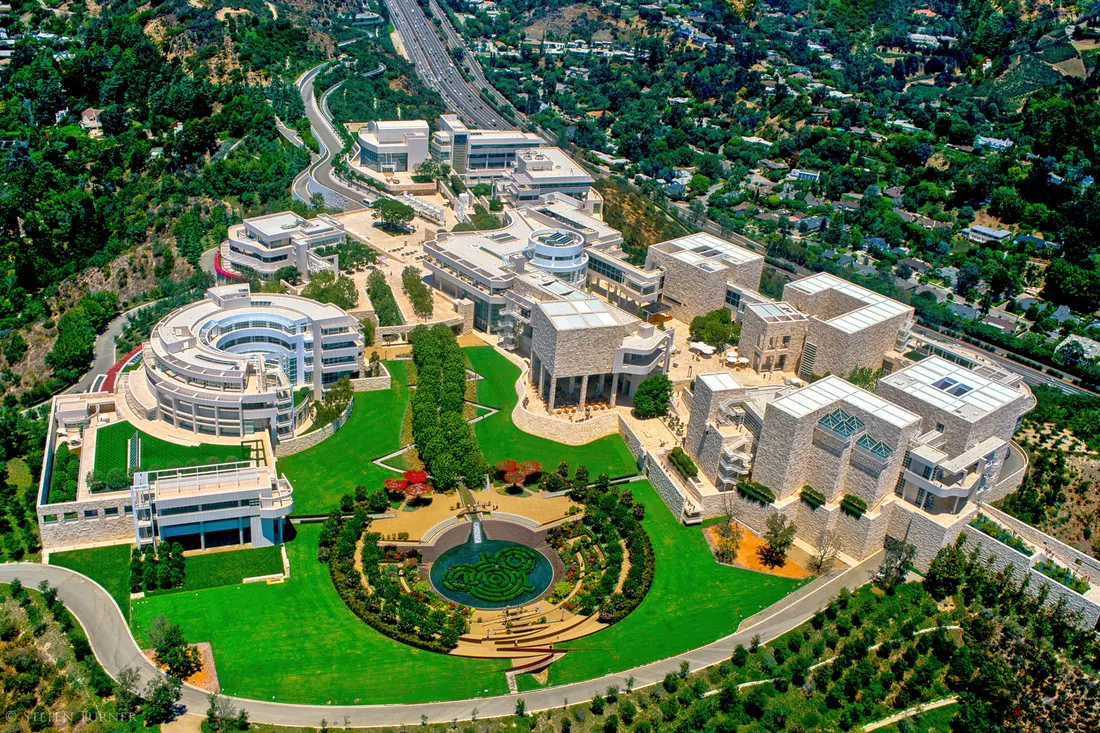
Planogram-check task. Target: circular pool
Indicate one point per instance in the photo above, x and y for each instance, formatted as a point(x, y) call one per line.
point(491, 574)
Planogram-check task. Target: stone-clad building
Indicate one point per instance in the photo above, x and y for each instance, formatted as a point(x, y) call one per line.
point(697, 270)
point(921, 452)
point(581, 348)
point(850, 327)
point(825, 325)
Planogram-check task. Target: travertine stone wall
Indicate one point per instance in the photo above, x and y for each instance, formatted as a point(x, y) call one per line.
point(761, 339)
point(959, 434)
point(575, 351)
point(68, 524)
point(841, 353)
point(710, 452)
point(665, 485)
point(688, 290)
point(303, 442)
point(633, 442)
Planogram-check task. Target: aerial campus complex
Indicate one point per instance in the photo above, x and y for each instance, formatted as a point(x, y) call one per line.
point(200, 435)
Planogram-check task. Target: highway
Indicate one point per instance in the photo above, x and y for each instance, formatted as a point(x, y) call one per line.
point(436, 68)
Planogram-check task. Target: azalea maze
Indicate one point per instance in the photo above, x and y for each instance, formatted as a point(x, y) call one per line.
point(495, 578)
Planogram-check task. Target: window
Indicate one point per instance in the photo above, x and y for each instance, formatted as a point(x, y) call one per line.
point(110, 511)
point(952, 386)
point(940, 427)
point(899, 487)
point(786, 341)
point(920, 496)
point(91, 514)
point(929, 502)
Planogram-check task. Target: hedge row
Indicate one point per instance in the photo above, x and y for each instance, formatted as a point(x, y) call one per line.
point(811, 497)
point(755, 491)
point(683, 463)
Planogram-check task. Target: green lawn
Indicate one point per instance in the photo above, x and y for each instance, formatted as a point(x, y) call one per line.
point(500, 439)
point(335, 466)
point(297, 642)
point(693, 601)
point(111, 450)
point(228, 567)
point(108, 566)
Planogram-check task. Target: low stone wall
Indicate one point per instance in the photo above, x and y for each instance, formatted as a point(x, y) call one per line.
point(1004, 556)
point(303, 442)
point(569, 433)
point(369, 384)
point(98, 519)
point(633, 442)
point(666, 485)
point(1077, 561)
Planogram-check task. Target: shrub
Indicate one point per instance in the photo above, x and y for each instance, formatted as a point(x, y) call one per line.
point(419, 294)
point(811, 497)
point(755, 491)
point(853, 506)
point(683, 463)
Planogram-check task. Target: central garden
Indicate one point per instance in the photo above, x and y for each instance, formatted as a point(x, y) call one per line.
point(689, 599)
point(491, 574)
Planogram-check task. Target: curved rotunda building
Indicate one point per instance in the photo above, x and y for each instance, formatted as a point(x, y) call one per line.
point(229, 365)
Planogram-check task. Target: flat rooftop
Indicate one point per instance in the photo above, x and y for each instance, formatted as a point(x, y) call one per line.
point(830, 390)
point(285, 222)
point(545, 162)
point(876, 308)
point(697, 249)
point(571, 314)
point(575, 219)
point(953, 388)
point(776, 312)
point(719, 381)
point(486, 252)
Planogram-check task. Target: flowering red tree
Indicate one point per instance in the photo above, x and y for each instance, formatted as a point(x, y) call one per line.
point(416, 477)
point(507, 466)
point(395, 484)
point(530, 468)
point(415, 491)
point(516, 478)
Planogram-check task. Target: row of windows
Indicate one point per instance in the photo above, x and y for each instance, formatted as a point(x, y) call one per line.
point(261, 258)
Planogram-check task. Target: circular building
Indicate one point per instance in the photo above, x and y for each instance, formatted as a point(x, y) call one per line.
point(559, 252)
point(229, 365)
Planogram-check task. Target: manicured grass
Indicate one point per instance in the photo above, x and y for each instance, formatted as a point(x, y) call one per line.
point(693, 601)
point(111, 450)
point(297, 642)
point(500, 439)
point(228, 567)
point(338, 464)
point(108, 566)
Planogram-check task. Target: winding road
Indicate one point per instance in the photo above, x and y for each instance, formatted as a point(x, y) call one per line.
point(116, 649)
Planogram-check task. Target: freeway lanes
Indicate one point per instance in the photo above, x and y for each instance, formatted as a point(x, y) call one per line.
point(436, 68)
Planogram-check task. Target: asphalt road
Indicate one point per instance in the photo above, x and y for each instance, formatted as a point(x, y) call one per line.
point(104, 351)
point(116, 649)
point(320, 170)
point(436, 68)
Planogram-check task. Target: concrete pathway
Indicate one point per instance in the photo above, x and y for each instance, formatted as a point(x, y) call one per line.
point(116, 649)
point(910, 713)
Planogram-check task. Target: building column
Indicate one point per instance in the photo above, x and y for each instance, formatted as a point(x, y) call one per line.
point(614, 389)
point(584, 390)
point(553, 393)
point(668, 352)
point(240, 530)
point(542, 378)
point(202, 537)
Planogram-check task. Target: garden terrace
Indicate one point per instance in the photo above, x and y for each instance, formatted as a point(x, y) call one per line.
point(987, 526)
point(1063, 575)
point(400, 607)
